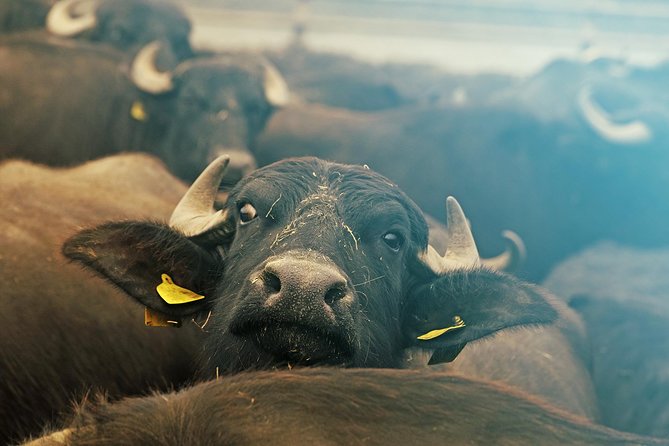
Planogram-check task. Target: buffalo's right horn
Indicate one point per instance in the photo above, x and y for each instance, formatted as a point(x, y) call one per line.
point(276, 90)
point(635, 132)
point(61, 20)
point(513, 256)
point(195, 215)
point(461, 251)
point(144, 73)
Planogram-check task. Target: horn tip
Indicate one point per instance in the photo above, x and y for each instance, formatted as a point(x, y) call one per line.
point(452, 202)
point(222, 160)
point(515, 240)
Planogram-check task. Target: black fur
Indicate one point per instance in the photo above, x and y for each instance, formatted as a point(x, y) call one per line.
point(333, 218)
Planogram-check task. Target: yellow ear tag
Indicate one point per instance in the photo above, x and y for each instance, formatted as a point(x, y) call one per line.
point(138, 112)
point(459, 323)
point(174, 294)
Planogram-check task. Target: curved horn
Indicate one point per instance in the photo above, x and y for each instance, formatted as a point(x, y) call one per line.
point(61, 22)
point(195, 214)
point(461, 251)
point(634, 132)
point(276, 90)
point(144, 73)
point(513, 257)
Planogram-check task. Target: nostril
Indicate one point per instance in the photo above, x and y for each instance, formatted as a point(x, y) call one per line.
point(335, 293)
point(272, 281)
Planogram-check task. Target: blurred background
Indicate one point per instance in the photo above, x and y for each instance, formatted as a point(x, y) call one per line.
point(547, 118)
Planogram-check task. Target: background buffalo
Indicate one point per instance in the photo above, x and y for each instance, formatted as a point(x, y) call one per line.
point(126, 25)
point(68, 102)
point(64, 333)
point(562, 157)
point(622, 295)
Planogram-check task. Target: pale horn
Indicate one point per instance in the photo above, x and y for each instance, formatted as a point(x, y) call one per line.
point(461, 251)
point(276, 90)
point(513, 256)
point(61, 21)
point(195, 214)
point(144, 73)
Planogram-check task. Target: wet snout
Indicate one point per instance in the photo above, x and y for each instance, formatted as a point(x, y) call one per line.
point(299, 306)
point(303, 283)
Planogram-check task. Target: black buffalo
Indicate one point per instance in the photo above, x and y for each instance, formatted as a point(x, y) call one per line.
point(622, 295)
point(311, 262)
point(53, 313)
point(331, 407)
point(126, 25)
point(65, 102)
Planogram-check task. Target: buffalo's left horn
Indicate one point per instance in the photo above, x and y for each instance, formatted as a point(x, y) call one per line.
point(276, 90)
point(62, 22)
point(195, 214)
point(513, 256)
point(461, 251)
point(144, 73)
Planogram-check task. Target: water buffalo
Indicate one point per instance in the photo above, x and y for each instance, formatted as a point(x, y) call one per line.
point(294, 271)
point(66, 102)
point(621, 293)
point(126, 25)
point(335, 406)
point(62, 332)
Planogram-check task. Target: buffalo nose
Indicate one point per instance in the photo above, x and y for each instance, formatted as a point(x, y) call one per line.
point(303, 281)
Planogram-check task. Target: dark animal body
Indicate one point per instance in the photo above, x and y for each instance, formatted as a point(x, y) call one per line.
point(122, 357)
point(67, 102)
point(126, 25)
point(309, 262)
point(331, 407)
point(64, 333)
point(20, 15)
point(316, 263)
point(621, 293)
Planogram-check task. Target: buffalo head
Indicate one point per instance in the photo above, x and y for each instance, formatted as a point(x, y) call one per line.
point(127, 25)
point(205, 107)
point(310, 262)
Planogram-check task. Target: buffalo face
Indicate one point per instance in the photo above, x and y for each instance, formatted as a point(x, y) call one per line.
point(311, 262)
point(206, 107)
point(305, 259)
point(126, 25)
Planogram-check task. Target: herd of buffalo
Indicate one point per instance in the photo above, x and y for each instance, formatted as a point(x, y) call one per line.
point(268, 217)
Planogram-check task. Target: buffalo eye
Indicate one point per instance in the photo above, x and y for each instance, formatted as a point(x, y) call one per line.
point(247, 213)
point(393, 240)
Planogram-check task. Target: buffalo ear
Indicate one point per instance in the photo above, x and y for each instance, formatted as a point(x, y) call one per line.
point(465, 305)
point(138, 256)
